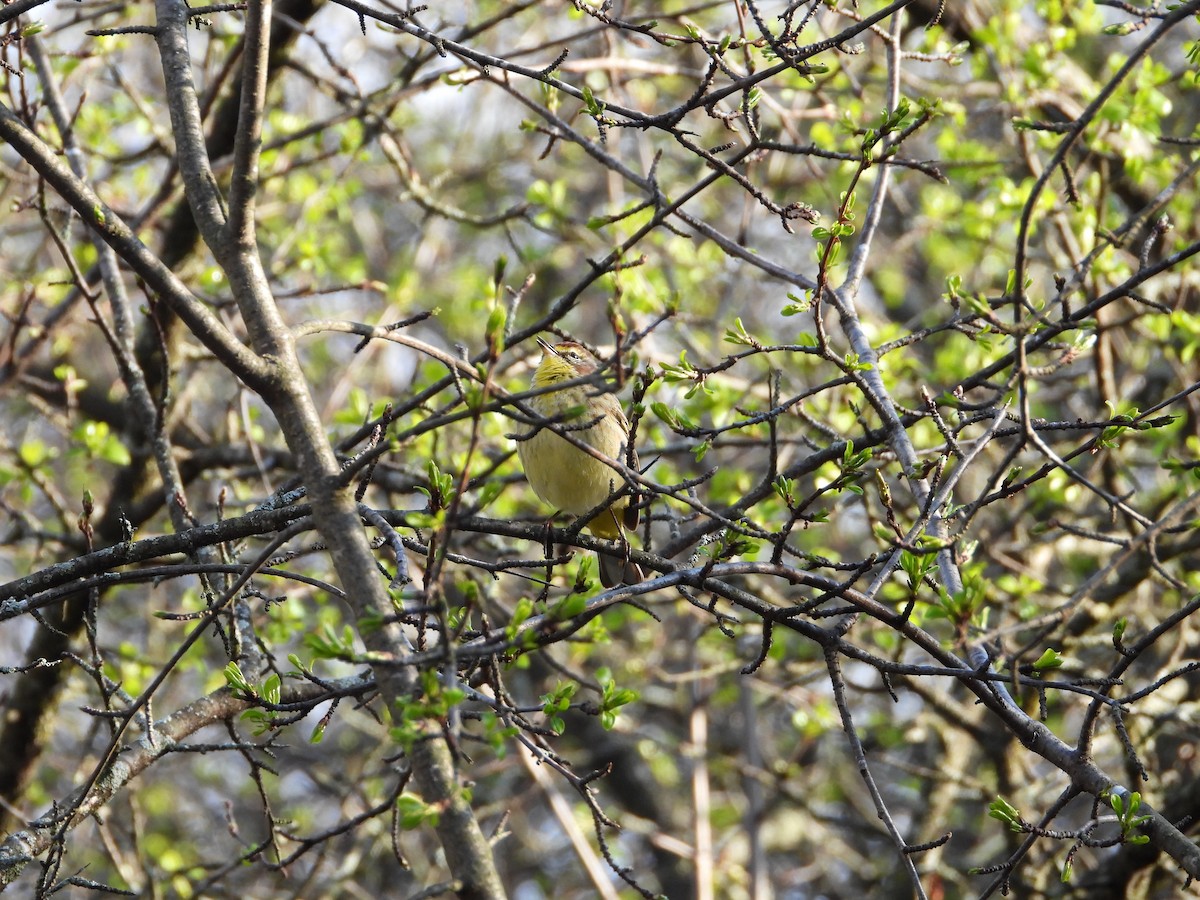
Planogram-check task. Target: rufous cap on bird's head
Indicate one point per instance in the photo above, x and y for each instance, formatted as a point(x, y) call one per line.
point(563, 361)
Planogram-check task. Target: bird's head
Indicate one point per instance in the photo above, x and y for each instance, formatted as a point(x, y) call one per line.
point(562, 362)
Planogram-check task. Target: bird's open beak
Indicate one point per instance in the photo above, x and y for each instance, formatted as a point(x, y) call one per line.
point(546, 346)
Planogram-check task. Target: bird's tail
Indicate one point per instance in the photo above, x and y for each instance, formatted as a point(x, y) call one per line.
point(618, 569)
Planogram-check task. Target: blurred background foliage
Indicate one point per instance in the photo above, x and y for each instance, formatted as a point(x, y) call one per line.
point(399, 178)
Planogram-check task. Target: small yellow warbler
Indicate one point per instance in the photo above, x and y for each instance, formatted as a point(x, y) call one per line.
point(567, 476)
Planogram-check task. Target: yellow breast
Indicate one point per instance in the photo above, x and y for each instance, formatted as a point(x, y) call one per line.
point(562, 474)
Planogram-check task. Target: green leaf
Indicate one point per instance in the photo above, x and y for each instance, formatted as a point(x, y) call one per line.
point(568, 607)
point(522, 611)
point(738, 334)
point(236, 680)
point(1050, 659)
point(1005, 812)
point(593, 107)
point(413, 812)
point(497, 319)
point(272, 689)
point(327, 644)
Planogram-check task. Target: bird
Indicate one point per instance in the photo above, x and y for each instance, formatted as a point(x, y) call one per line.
point(568, 477)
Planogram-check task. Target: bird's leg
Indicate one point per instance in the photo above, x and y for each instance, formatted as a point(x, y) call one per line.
point(621, 539)
point(548, 547)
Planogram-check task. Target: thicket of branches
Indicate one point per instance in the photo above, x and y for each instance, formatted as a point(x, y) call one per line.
point(902, 303)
